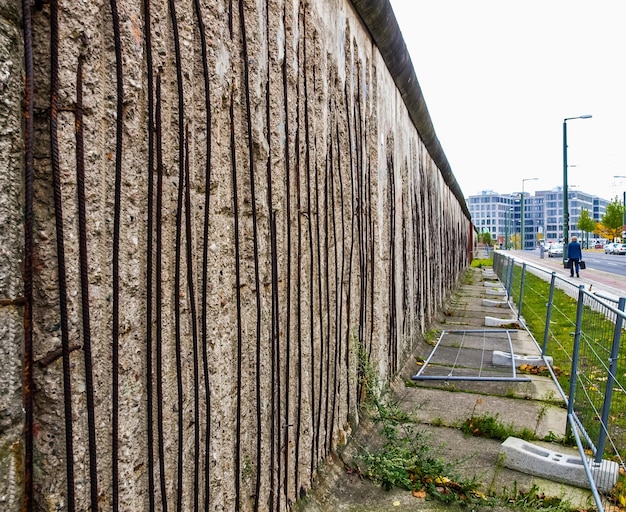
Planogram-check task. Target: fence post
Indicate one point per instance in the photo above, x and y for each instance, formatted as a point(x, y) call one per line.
point(509, 278)
point(546, 331)
point(608, 395)
point(575, 354)
point(521, 293)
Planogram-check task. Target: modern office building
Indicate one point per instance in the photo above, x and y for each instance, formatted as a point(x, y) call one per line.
point(501, 215)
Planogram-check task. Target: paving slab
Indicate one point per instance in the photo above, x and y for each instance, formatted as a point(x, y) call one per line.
point(439, 408)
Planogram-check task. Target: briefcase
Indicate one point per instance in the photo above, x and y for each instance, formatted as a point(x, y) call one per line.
point(567, 263)
point(582, 265)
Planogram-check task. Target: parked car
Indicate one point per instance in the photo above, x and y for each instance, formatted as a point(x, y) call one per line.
point(598, 246)
point(555, 250)
point(619, 249)
point(608, 248)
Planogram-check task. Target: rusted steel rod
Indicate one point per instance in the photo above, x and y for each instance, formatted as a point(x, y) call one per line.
point(298, 220)
point(309, 213)
point(29, 173)
point(150, 257)
point(84, 286)
point(255, 235)
point(351, 253)
point(205, 255)
point(178, 250)
point(62, 277)
point(116, 256)
point(158, 282)
point(288, 269)
point(275, 387)
point(194, 326)
point(233, 164)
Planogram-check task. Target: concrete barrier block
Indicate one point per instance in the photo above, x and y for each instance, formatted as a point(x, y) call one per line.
point(536, 460)
point(500, 358)
point(491, 321)
point(491, 284)
point(496, 293)
point(495, 303)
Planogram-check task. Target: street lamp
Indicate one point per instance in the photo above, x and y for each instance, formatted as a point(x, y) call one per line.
point(565, 205)
point(506, 229)
point(624, 206)
point(522, 210)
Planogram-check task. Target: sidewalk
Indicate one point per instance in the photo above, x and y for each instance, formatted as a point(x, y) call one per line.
point(440, 408)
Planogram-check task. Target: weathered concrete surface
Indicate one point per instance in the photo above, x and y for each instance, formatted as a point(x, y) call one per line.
point(261, 214)
point(11, 256)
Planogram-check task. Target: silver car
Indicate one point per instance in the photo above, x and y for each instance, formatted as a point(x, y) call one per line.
point(555, 250)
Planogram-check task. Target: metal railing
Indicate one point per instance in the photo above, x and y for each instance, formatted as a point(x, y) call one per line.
point(581, 332)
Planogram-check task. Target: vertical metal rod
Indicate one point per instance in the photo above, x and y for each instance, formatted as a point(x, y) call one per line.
point(84, 285)
point(509, 276)
point(29, 175)
point(608, 395)
point(194, 325)
point(255, 236)
point(320, 295)
point(349, 346)
point(338, 275)
point(309, 213)
point(236, 236)
point(277, 422)
point(521, 293)
point(149, 257)
point(546, 330)
point(180, 469)
point(205, 255)
point(158, 282)
point(288, 269)
point(327, 208)
point(115, 264)
point(298, 218)
point(60, 243)
point(575, 354)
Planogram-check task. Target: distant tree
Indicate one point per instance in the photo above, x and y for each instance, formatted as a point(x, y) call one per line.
point(612, 220)
point(586, 224)
point(486, 239)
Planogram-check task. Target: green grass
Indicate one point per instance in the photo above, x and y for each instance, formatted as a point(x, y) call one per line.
point(597, 331)
point(491, 427)
point(485, 262)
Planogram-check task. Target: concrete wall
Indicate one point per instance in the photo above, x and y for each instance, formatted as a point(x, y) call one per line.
point(225, 212)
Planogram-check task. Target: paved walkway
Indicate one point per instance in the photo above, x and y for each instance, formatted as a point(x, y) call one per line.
point(440, 407)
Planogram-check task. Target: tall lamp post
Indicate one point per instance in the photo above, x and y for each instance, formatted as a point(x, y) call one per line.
point(522, 210)
point(506, 229)
point(565, 193)
point(624, 206)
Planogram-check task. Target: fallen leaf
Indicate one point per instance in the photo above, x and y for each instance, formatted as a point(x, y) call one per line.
point(420, 494)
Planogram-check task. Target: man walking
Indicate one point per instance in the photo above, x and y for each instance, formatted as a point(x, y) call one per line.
point(574, 254)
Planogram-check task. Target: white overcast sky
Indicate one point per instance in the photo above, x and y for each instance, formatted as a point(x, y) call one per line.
point(499, 77)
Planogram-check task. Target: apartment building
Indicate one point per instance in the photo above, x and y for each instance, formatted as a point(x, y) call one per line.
point(501, 215)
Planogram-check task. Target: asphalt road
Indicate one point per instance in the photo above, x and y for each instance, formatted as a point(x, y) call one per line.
point(598, 260)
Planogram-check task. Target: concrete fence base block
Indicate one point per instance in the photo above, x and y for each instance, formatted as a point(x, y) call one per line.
point(500, 358)
point(491, 321)
point(491, 284)
point(495, 303)
point(496, 293)
point(536, 460)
